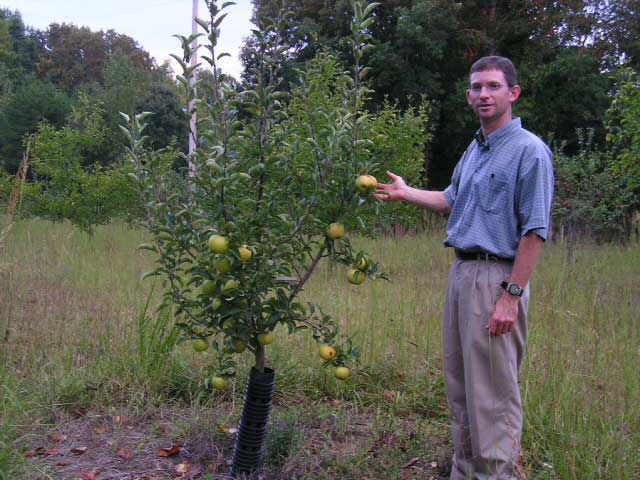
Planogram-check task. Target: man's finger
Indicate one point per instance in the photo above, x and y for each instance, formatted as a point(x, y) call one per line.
point(391, 175)
point(492, 326)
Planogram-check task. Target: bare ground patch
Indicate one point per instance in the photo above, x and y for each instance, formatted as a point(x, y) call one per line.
point(330, 441)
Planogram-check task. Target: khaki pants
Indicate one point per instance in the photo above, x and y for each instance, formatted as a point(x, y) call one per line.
point(481, 372)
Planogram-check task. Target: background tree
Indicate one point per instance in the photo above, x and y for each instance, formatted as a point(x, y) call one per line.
point(22, 111)
point(592, 198)
point(124, 82)
point(86, 195)
point(20, 46)
point(76, 55)
point(169, 123)
point(623, 125)
point(565, 95)
point(108, 67)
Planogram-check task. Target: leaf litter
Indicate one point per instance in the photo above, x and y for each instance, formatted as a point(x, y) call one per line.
point(173, 443)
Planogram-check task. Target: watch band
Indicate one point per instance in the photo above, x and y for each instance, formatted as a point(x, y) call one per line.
point(512, 288)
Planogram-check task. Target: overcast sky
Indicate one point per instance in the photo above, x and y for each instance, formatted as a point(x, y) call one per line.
point(150, 22)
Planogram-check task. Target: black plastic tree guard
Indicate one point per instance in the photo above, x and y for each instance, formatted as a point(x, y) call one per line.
point(248, 453)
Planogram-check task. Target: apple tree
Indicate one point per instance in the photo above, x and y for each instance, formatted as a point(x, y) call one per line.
point(279, 181)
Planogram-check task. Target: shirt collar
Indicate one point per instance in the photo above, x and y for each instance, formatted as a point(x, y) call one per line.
point(497, 135)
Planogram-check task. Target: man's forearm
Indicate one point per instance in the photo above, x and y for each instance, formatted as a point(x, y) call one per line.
point(505, 311)
point(526, 258)
point(431, 199)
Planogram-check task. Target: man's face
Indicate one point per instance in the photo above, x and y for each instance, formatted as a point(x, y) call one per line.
point(491, 97)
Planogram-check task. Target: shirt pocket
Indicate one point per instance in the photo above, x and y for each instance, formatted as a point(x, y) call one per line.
point(492, 193)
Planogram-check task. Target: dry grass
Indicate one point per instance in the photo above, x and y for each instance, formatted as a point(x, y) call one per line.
point(13, 203)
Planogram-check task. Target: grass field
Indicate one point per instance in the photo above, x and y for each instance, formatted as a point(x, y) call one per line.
point(79, 358)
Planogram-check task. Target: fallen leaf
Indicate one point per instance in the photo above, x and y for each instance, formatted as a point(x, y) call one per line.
point(120, 419)
point(80, 412)
point(88, 475)
point(78, 450)
point(63, 463)
point(434, 464)
point(57, 437)
point(35, 451)
point(389, 394)
point(411, 462)
point(223, 428)
point(182, 468)
point(125, 453)
point(52, 451)
point(169, 452)
point(102, 429)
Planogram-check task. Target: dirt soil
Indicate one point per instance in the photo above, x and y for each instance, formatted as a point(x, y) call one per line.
point(173, 444)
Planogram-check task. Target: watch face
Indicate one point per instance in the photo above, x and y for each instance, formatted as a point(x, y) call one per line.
point(514, 289)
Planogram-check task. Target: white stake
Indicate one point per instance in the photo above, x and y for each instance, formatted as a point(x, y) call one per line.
point(193, 131)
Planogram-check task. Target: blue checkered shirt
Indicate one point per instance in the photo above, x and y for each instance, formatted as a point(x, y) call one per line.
point(500, 190)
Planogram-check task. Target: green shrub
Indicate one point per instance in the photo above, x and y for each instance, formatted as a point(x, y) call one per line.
point(591, 196)
point(64, 187)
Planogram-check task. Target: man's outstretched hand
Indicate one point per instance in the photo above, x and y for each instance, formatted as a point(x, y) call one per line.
point(393, 191)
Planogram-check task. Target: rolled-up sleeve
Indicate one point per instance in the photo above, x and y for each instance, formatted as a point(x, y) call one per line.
point(534, 193)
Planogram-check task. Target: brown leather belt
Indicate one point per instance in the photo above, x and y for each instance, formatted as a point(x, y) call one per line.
point(481, 256)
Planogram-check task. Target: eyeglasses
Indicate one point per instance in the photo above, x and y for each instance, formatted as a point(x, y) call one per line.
point(491, 86)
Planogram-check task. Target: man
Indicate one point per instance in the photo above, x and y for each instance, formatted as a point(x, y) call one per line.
point(499, 203)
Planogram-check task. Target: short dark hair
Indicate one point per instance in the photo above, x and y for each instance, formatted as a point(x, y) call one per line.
point(501, 64)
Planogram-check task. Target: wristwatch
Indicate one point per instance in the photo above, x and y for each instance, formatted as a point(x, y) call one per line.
point(513, 288)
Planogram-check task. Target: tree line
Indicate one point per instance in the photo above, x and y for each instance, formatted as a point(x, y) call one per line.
point(577, 59)
point(44, 75)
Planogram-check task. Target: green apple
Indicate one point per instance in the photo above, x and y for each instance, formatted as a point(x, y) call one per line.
point(200, 344)
point(208, 287)
point(222, 265)
point(239, 345)
point(335, 231)
point(366, 183)
point(245, 253)
point(230, 287)
point(327, 352)
point(341, 373)
point(355, 276)
point(219, 383)
point(266, 338)
point(362, 264)
point(218, 244)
